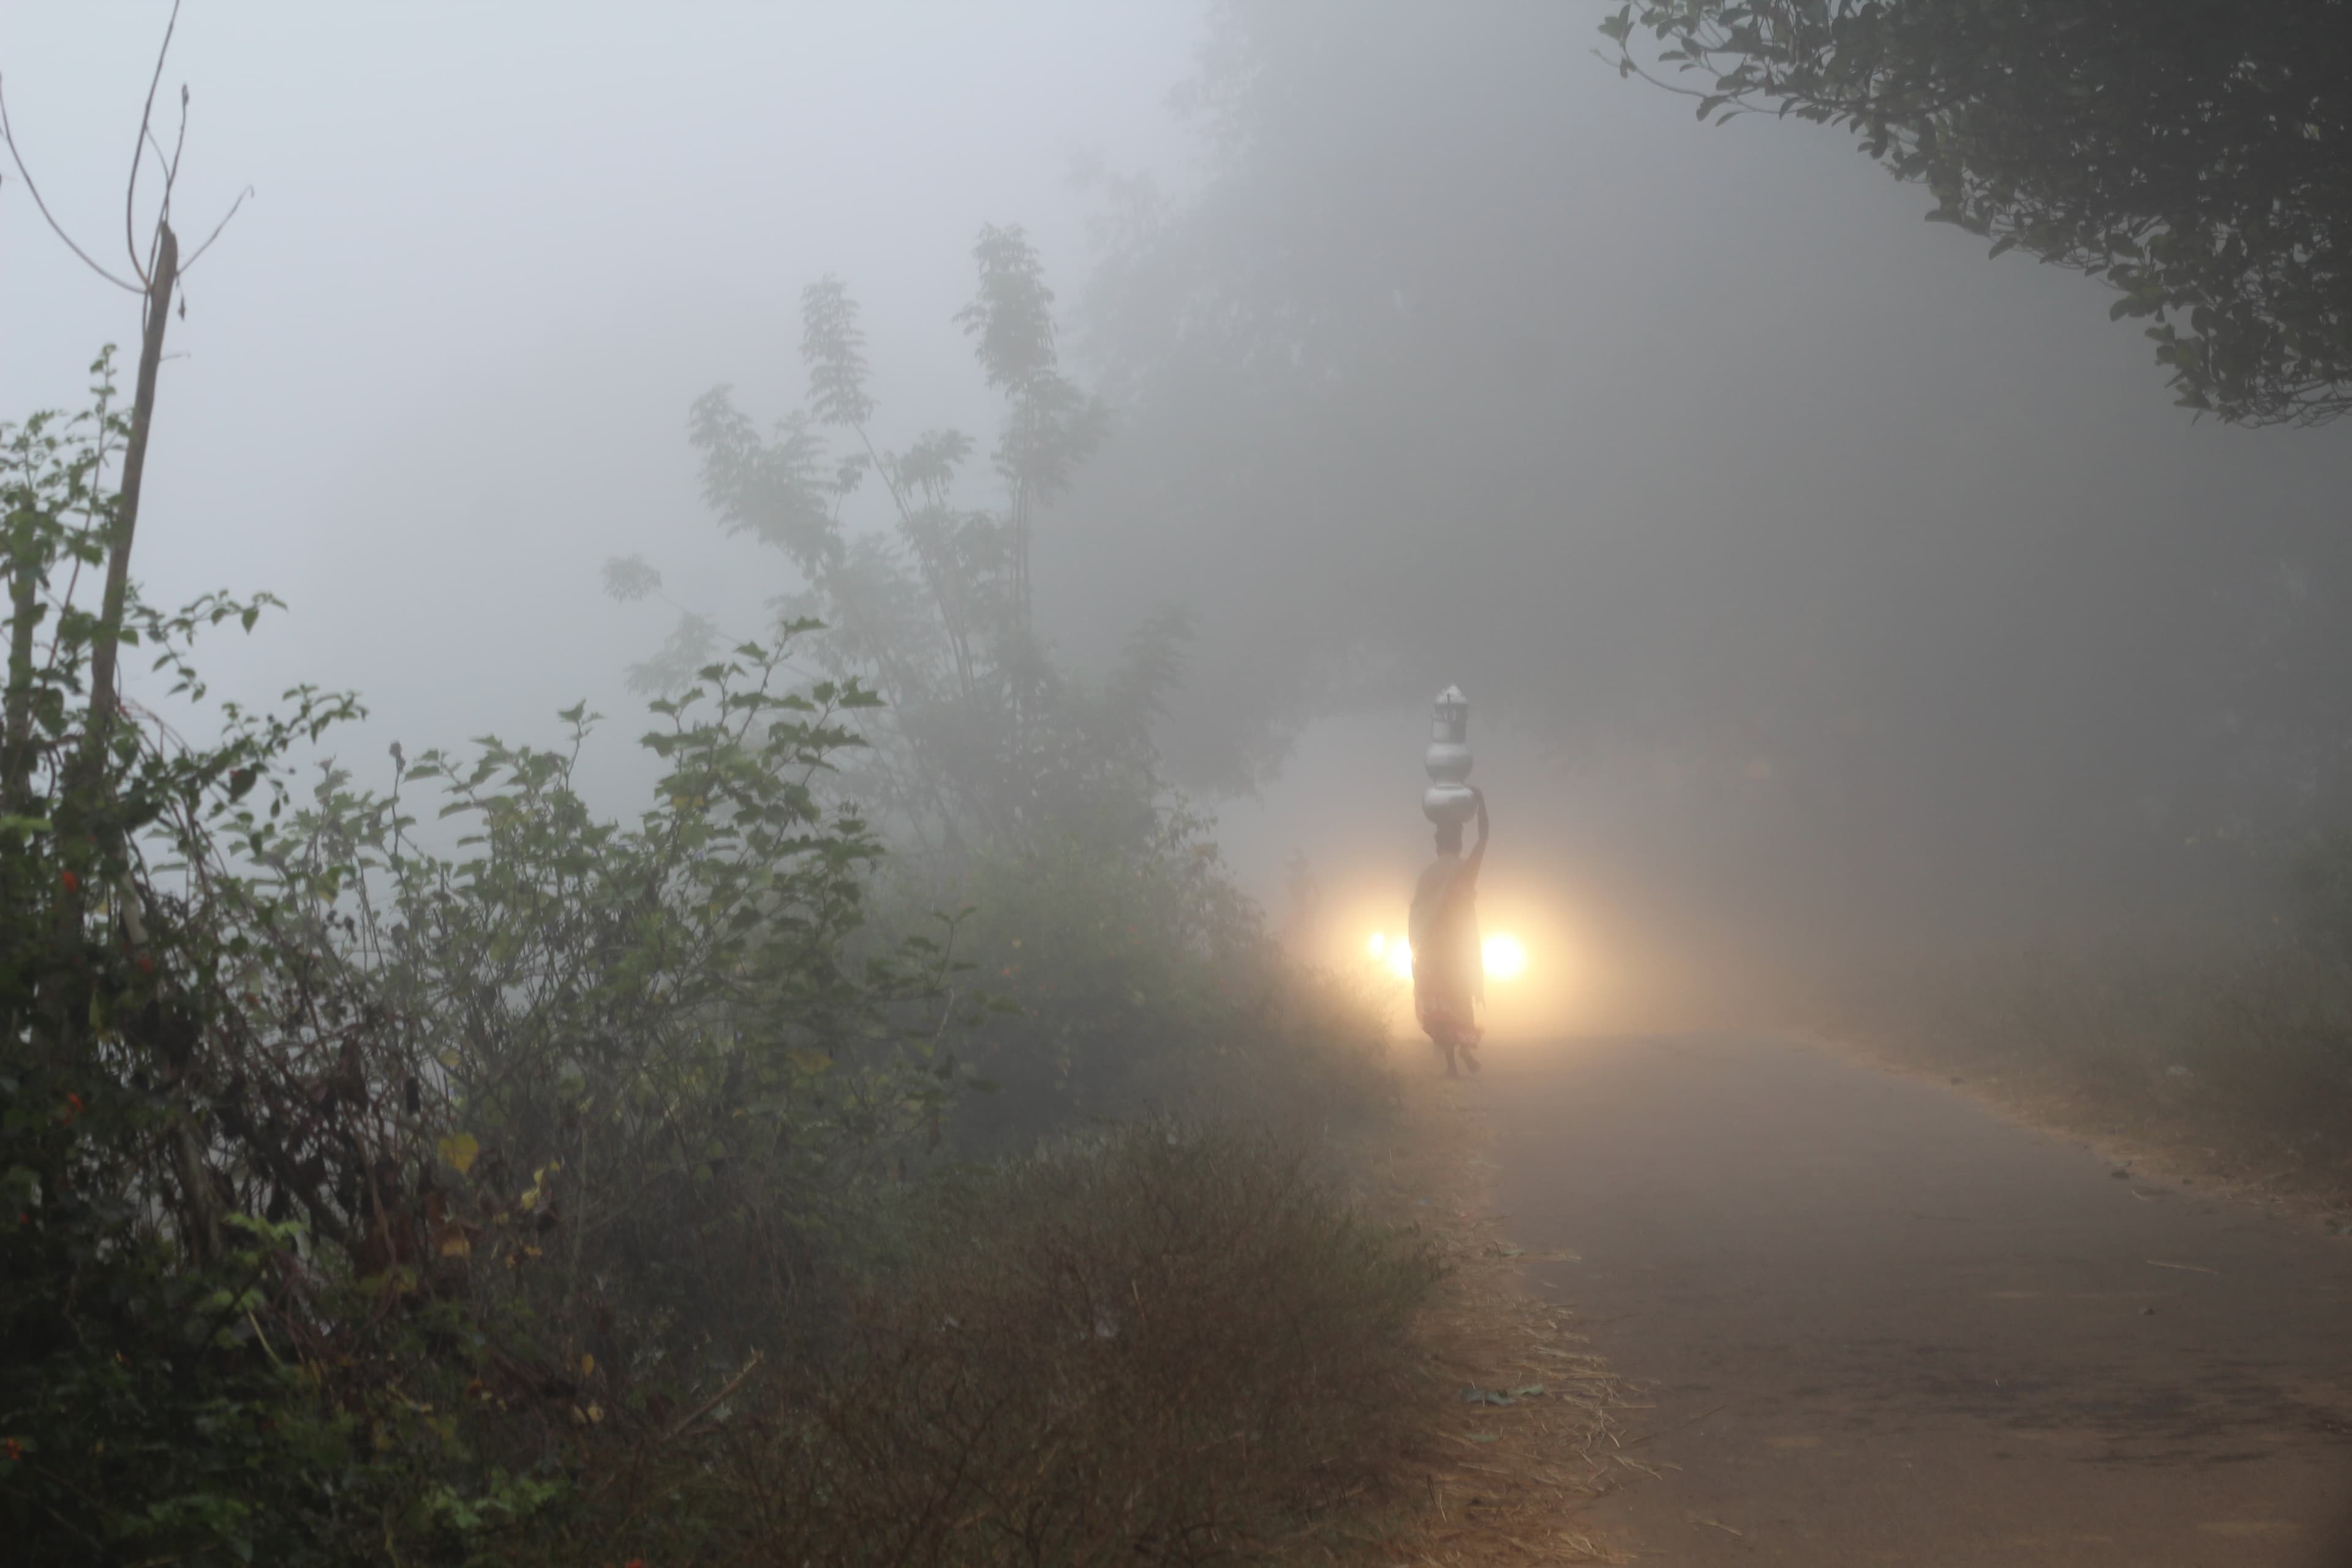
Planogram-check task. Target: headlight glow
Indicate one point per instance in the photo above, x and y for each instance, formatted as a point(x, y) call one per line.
point(1505, 957)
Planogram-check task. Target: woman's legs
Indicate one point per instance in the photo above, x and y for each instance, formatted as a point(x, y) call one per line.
point(1450, 1029)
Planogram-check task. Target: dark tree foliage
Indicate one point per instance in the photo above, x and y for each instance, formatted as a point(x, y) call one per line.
point(2190, 152)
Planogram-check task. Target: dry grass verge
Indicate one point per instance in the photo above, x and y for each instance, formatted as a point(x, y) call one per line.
point(1167, 1344)
point(2227, 1065)
point(1513, 1433)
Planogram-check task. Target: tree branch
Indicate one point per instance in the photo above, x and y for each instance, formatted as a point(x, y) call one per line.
point(139, 153)
point(16, 155)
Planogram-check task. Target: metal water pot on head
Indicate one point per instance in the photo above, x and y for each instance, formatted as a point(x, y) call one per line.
point(1447, 761)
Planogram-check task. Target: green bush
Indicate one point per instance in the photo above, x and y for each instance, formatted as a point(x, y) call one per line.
point(555, 1122)
point(145, 1412)
point(1138, 982)
point(1122, 973)
point(540, 1185)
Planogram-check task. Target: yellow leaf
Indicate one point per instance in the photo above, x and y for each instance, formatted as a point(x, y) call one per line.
point(455, 1245)
point(807, 1060)
point(461, 1151)
point(587, 1364)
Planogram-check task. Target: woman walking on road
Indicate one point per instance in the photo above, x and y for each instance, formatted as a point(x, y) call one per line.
point(1449, 971)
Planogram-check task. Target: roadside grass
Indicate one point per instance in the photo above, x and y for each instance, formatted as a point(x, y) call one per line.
point(2225, 1058)
point(1163, 1341)
point(1513, 1431)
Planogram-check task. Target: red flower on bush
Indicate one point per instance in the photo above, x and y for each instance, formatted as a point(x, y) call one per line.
point(12, 1449)
point(74, 1107)
point(70, 880)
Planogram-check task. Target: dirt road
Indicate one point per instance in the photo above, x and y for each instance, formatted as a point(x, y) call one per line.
point(1879, 1325)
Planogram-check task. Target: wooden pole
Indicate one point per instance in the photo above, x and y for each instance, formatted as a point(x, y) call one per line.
point(103, 698)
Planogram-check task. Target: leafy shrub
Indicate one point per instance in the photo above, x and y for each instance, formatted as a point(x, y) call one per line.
point(515, 1198)
point(1139, 982)
point(1124, 973)
point(553, 1121)
point(144, 1412)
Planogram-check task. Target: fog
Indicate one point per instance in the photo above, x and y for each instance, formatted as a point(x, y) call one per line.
point(1823, 586)
point(439, 368)
point(1832, 590)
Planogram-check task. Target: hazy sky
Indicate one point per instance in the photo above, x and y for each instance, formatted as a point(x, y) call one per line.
point(438, 369)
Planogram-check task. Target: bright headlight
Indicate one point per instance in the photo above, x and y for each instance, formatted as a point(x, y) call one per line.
point(1506, 956)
